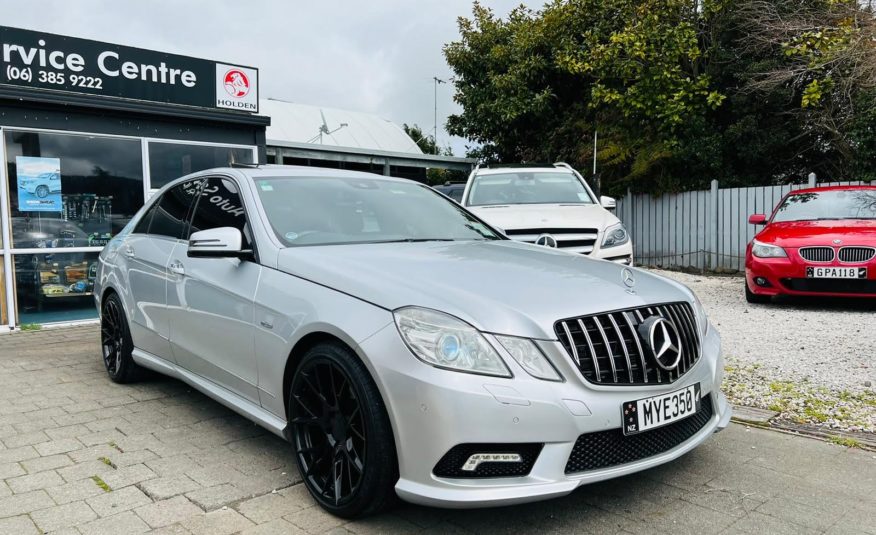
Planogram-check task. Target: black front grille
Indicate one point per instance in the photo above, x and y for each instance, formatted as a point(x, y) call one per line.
point(856, 255)
point(552, 231)
point(840, 286)
point(817, 254)
point(607, 348)
point(451, 464)
point(603, 449)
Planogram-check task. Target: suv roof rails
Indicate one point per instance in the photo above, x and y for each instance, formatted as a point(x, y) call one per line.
point(563, 165)
point(243, 165)
point(504, 165)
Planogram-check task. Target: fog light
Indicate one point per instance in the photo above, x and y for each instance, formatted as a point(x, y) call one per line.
point(761, 281)
point(472, 463)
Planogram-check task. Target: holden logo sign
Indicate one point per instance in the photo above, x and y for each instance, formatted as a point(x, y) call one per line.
point(237, 88)
point(236, 83)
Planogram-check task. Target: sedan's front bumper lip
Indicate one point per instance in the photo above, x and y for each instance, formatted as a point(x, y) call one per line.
point(461, 494)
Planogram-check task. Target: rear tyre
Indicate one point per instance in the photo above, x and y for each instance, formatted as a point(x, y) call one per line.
point(754, 298)
point(115, 342)
point(341, 433)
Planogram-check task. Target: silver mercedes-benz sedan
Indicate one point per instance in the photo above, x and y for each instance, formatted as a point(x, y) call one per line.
point(403, 346)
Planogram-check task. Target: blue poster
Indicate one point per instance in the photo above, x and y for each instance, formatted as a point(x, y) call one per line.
point(39, 184)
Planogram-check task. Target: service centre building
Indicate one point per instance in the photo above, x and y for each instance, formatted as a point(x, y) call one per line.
point(87, 131)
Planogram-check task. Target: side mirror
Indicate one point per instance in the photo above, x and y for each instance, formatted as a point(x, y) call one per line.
point(609, 203)
point(757, 219)
point(222, 242)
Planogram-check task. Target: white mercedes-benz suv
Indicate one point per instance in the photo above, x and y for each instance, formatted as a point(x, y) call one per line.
point(550, 206)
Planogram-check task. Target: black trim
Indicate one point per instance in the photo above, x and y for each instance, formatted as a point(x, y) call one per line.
point(136, 106)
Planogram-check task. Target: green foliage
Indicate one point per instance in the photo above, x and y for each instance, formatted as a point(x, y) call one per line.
point(681, 91)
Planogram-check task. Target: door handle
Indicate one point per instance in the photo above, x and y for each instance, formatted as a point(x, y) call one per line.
point(129, 251)
point(177, 268)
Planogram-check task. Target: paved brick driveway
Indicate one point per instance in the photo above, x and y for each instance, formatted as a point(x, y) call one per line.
point(79, 454)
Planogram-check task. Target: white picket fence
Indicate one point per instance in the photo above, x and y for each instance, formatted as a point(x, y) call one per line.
point(705, 230)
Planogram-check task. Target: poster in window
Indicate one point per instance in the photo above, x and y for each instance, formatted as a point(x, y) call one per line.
point(39, 184)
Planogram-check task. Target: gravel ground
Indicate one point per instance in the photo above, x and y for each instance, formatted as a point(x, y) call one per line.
point(812, 360)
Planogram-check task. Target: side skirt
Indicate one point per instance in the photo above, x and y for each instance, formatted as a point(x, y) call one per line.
point(231, 400)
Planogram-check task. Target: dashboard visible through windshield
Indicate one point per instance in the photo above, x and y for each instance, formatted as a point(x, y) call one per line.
point(332, 210)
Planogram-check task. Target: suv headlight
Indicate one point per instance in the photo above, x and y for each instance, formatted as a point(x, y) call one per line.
point(530, 357)
point(447, 342)
point(765, 250)
point(615, 235)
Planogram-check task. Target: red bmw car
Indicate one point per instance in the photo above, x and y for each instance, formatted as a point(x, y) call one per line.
point(819, 241)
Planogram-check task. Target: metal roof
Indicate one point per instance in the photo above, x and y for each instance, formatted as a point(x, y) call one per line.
point(293, 123)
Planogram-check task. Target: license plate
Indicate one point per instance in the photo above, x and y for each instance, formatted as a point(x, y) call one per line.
point(814, 272)
point(657, 411)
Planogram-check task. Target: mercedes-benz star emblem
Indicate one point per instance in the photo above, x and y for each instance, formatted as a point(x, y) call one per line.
point(546, 240)
point(627, 277)
point(662, 337)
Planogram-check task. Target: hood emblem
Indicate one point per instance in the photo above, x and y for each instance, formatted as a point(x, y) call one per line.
point(546, 240)
point(662, 337)
point(837, 242)
point(628, 278)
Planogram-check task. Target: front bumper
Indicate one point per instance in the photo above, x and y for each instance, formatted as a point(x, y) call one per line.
point(787, 276)
point(433, 410)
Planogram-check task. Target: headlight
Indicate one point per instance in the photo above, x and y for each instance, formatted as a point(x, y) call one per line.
point(447, 342)
point(615, 235)
point(702, 319)
point(765, 250)
point(530, 357)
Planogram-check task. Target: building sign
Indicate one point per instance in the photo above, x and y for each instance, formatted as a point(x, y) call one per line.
point(39, 184)
point(52, 62)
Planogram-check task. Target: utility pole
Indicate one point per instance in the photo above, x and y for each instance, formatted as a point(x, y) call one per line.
point(435, 128)
point(595, 137)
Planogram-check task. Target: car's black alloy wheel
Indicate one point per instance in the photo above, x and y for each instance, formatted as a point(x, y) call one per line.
point(115, 342)
point(341, 433)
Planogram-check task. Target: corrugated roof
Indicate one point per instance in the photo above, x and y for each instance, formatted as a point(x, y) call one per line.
point(300, 123)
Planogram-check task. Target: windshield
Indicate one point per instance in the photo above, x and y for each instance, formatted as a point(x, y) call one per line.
point(521, 187)
point(837, 204)
point(332, 210)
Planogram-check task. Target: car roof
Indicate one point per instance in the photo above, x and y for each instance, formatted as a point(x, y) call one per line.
point(506, 170)
point(832, 188)
point(300, 171)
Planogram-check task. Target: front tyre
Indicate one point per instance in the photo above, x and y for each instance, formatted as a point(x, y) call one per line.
point(42, 191)
point(115, 342)
point(341, 433)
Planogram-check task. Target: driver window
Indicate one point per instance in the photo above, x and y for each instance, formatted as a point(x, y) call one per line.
point(220, 205)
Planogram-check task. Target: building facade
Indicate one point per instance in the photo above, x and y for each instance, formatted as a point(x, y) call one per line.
point(87, 131)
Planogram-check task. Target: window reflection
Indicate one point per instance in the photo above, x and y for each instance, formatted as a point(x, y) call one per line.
point(71, 190)
point(169, 161)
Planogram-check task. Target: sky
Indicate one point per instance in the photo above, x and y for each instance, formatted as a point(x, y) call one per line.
point(375, 56)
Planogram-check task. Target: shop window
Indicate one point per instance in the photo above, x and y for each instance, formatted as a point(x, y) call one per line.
point(55, 287)
point(71, 190)
point(169, 161)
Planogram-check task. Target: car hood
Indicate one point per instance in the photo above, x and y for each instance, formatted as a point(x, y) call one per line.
point(502, 286)
point(805, 233)
point(535, 216)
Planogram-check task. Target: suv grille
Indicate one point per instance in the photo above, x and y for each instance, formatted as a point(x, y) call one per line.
point(817, 254)
point(573, 240)
point(607, 348)
point(602, 449)
point(856, 255)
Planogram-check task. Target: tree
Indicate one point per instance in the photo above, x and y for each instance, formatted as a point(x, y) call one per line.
point(681, 91)
point(428, 145)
